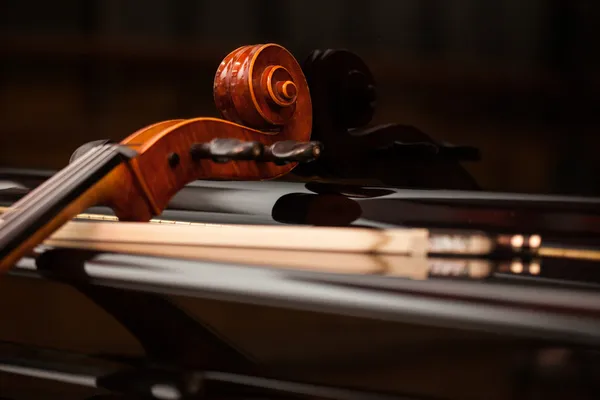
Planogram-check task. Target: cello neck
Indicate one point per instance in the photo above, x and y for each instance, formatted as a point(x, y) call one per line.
point(56, 201)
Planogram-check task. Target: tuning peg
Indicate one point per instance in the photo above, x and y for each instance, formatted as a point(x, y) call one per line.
point(222, 150)
point(288, 151)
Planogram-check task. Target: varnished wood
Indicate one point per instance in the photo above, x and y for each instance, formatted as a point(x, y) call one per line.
point(259, 74)
point(139, 189)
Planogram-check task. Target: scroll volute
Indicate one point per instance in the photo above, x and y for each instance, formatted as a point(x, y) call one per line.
point(264, 87)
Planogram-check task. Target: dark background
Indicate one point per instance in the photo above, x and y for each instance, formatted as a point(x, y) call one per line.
point(519, 79)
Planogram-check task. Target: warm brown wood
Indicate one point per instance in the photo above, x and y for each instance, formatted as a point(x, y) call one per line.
point(246, 86)
point(259, 74)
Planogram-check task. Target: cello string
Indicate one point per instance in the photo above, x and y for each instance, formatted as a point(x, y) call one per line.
point(70, 179)
point(49, 192)
point(47, 186)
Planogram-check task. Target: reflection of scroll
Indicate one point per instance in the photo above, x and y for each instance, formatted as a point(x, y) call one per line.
point(316, 209)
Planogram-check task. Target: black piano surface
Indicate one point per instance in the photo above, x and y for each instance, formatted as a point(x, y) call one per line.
point(80, 324)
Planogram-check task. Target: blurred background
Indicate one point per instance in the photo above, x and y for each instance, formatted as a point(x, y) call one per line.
point(518, 79)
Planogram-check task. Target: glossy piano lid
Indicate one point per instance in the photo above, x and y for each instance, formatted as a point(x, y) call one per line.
point(468, 301)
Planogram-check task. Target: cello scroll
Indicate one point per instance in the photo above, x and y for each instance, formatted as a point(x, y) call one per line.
point(244, 147)
point(264, 87)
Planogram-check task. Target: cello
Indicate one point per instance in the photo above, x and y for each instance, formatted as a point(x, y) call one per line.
point(261, 92)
